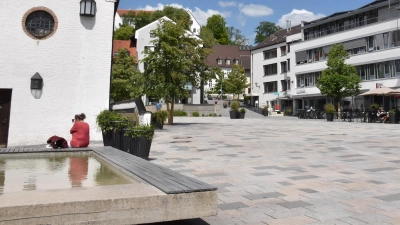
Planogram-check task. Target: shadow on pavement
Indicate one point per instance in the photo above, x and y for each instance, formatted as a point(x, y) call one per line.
point(182, 222)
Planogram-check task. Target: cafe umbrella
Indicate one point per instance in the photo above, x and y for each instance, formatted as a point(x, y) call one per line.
point(381, 91)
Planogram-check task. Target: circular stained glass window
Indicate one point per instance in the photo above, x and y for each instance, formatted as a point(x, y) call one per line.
point(39, 24)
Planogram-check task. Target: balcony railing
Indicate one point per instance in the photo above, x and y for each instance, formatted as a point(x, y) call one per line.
point(341, 28)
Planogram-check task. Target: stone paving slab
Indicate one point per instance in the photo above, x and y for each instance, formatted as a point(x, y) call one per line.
point(324, 173)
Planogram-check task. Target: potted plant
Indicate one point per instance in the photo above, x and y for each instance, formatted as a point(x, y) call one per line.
point(265, 110)
point(330, 111)
point(242, 112)
point(234, 110)
point(138, 140)
point(158, 118)
point(288, 112)
point(111, 125)
point(225, 104)
point(392, 116)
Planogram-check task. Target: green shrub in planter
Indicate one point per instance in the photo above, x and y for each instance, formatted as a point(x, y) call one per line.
point(288, 112)
point(330, 108)
point(158, 118)
point(109, 120)
point(242, 110)
point(375, 105)
point(111, 124)
point(235, 106)
point(179, 113)
point(138, 140)
point(195, 114)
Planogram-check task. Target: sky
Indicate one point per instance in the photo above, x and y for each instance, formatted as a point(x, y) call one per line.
point(246, 15)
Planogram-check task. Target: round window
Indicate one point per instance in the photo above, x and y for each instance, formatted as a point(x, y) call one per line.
point(39, 24)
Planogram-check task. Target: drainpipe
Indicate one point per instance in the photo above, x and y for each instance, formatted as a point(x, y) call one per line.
point(112, 47)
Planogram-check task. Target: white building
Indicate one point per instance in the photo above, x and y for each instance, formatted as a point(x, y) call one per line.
point(143, 37)
point(225, 57)
point(271, 66)
point(68, 53)
point(369, 34)
point(194, 25)
point(371, 37)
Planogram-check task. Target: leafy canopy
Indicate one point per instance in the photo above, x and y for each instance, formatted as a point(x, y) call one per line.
point(237, 80)
point(126, 81)
point(264, 30)
point(123, 33)
point(217, 25)
point(236, 37)
point(339, 79)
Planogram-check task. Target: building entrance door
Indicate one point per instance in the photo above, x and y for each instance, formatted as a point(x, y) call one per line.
point(5, 102)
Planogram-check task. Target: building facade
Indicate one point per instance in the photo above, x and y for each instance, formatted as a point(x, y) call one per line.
point(271, 66)
point(371, 37)
point(55, 63)
point(225, 57)
point(370, 34)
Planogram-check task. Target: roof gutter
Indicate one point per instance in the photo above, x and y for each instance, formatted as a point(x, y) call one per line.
point(356, 11)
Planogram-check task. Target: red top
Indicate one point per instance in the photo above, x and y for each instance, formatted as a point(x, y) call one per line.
point(80, 135)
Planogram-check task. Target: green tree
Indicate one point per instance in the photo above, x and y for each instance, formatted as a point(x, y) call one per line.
point(175, 14)
point(339, 79)
point(236, 37)
point(237, 81)
point(217, 25)
point(264, 30)
point(219, 81)
point(124, 33)
point(207, 36)
point(137, 19)
point(127, 81)
point(177, 58)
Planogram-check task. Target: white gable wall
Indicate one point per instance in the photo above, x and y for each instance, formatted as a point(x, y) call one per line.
point(74, 64)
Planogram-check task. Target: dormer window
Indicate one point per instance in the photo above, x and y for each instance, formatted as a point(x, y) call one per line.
point(228, 62)
point(236, 61)
point(219, 61)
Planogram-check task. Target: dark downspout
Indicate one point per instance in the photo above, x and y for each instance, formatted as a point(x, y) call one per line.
point(112, 47)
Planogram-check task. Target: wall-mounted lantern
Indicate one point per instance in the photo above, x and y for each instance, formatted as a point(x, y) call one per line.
point(36, 82)
point(88, 8)
point(257, 84)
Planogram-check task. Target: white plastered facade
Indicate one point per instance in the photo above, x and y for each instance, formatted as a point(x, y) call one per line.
point(74, 64)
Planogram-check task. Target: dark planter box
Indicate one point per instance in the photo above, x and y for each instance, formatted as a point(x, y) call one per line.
point(158, 125)
point(265, 112)
point(392, 118)
point(107, 138)
point(139, 146)
point(233, 114)
point(329, 117)
point(241, 115)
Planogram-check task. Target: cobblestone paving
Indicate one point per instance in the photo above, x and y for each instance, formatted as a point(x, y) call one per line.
point(284, 170)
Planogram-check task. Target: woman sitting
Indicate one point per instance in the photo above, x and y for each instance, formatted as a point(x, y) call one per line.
point(80, 132)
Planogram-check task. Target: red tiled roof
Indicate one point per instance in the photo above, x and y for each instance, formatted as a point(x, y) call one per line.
point(127, 44)
point(124, 11)
point(229, 52)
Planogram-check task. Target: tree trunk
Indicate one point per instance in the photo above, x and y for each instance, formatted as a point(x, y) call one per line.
point(338, 103)
point(171, 119)
point(169, 111)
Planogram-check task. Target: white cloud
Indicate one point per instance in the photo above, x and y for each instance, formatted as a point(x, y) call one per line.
point(161, 6)
point(297, 15)
point(200, 15)
point(241, 20)
point(227, 4)
point(253, 10)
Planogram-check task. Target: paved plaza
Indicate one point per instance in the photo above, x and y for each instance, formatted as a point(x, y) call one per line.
point(284, 170)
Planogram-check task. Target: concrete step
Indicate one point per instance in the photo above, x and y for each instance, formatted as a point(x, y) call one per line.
point(275, 113)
